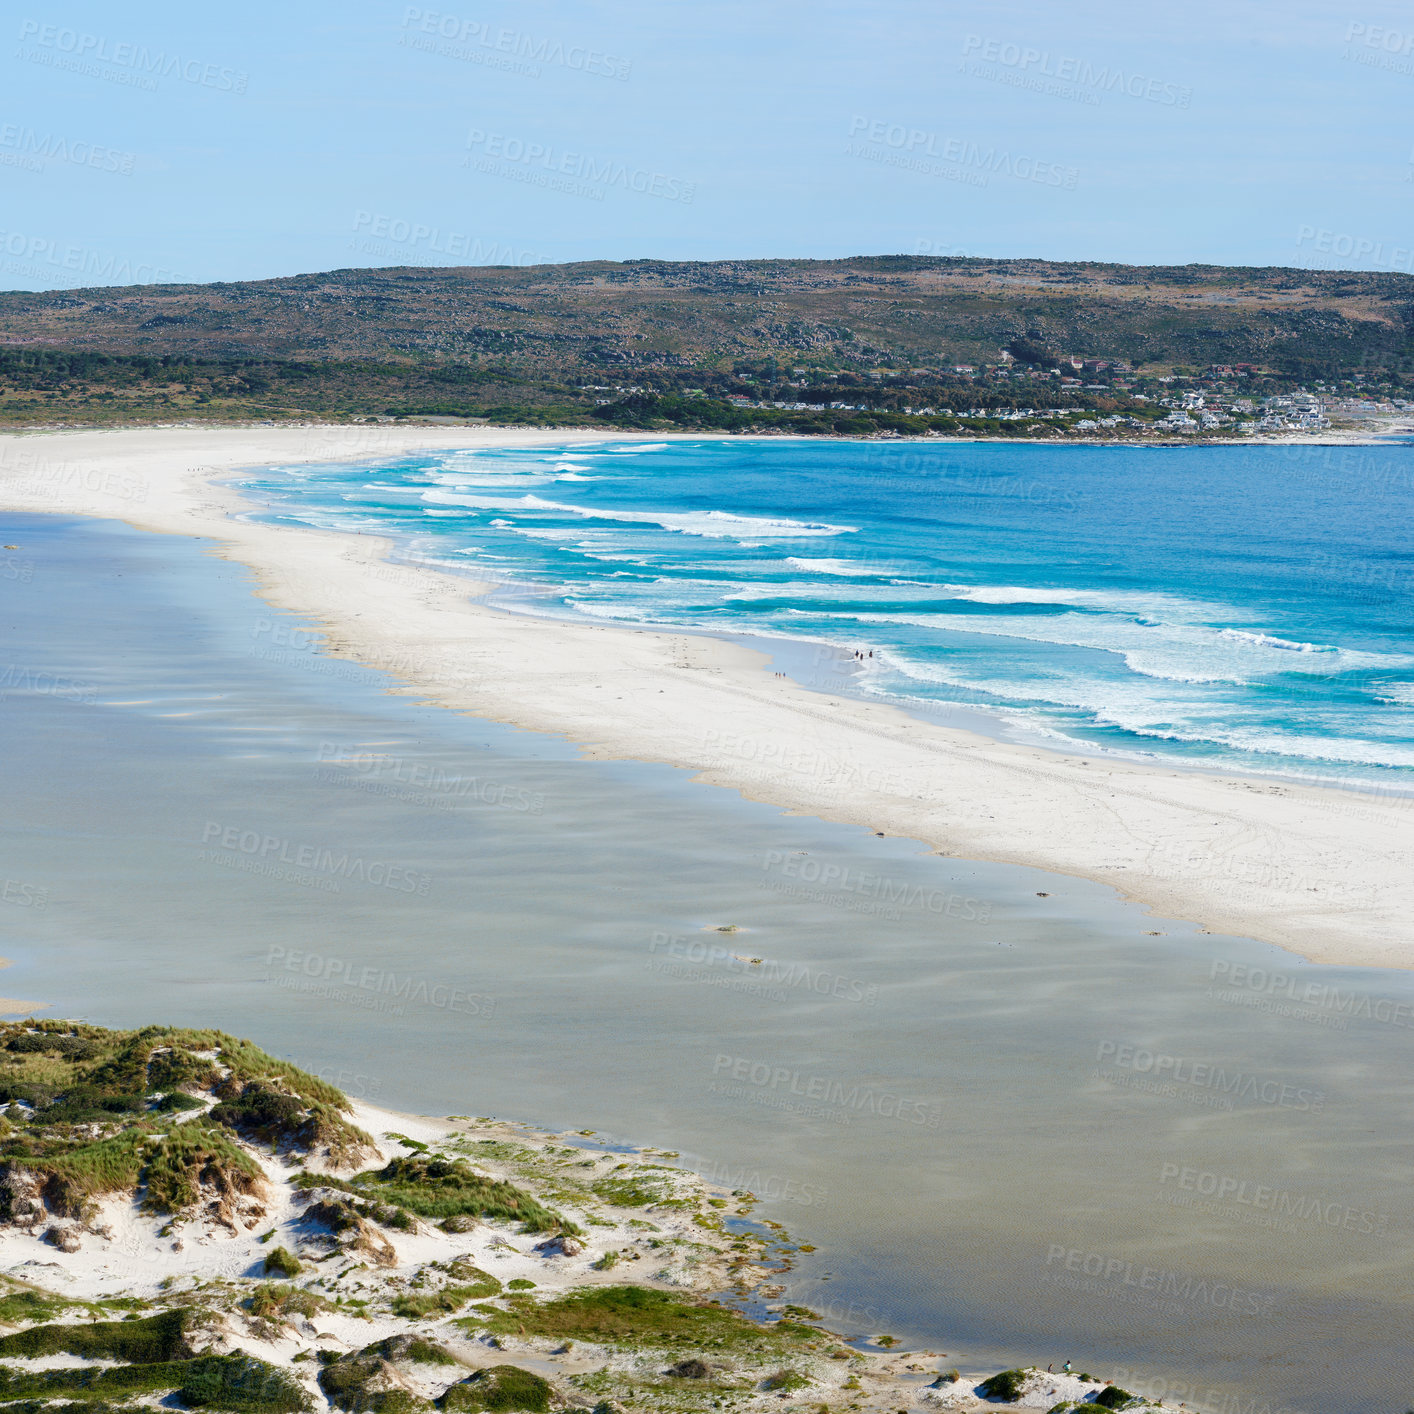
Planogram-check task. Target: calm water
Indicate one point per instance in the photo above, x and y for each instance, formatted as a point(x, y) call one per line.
point(1015, 1126)
point(1242, 607)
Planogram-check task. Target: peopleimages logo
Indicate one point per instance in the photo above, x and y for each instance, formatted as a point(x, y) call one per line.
point(421, 782)
point(1159, 1283)
point(14, 677)
point(459, 38)
point(1167, 1072)
point(373, 988)
point(99, 267)
point(44, 476)
point(84, 50)
point(898, 145)
point(1266, 989)
point(597, 172)
point(23, 895)
point(460, 246)
point(765, 1187)
point(33, 149)
point(1071, 70)
point(1223, 1188)
point(698, 960)
point(272, 855)
point(1353, 250)
point(779, 1086)
point(847, 882)
point(1379, 47)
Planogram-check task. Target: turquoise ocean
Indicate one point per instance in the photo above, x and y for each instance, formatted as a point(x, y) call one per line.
point(1238, 608)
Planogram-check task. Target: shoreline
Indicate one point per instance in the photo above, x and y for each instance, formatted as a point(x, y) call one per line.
point(1312, 869)
point(1380, 435)
point(369, 1271)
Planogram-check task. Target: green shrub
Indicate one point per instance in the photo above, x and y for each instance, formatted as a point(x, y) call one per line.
point(427, 1352)
point(501, 1387)
point(1005, 1384)
point(282, 1262)
point(418, 1305)
point(190, 1157)
point(146, 1341)
point(70, 1047)
point(1113, 1397)
point(18, 1308)
point(260, 1110)
point(274, 1302)
point(444, 1188)
point(472, 1279)
point(787, 1380)
point(237, 1383)
point(74, 1177)
point(346, 1380)
point(520, 1284)
point(360, 1383)
point(96, 1381)
point(240, 1383)
point(408, 1347)
point(636, 1315)
point(635, 1192)
point(175, 1102)
point(690, 1370)
point(82, 1103)
point(176, 1069)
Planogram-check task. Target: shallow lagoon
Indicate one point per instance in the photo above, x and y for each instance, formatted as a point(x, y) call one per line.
point(1015, 1126)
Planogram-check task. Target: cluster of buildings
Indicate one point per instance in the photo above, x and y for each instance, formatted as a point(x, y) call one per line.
point(1197, 410)
point(1213, 406)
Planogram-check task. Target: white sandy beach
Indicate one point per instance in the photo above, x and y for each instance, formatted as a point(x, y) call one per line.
point(1326, 874)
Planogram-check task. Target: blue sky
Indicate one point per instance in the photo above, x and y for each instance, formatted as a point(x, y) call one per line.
point(244, 141)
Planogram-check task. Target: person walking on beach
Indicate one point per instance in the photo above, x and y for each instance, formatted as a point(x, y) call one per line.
point(1066, 1367)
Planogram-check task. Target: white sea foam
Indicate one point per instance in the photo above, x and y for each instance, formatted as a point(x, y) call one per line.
point(1400, 693)
point(1192, 653)
point(715, 525)
point(1172, 606)
point(840, 567)
point(1266, 640)
point(1144, 710)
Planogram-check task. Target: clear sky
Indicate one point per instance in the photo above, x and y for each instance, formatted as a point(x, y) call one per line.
point(226, 142)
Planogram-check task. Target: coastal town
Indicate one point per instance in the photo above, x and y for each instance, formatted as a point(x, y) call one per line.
point(1092, 397)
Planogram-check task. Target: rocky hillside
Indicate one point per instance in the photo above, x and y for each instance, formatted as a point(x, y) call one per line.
point(898, 311)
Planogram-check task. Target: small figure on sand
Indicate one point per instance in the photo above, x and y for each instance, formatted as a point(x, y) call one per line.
point(1066, 1367)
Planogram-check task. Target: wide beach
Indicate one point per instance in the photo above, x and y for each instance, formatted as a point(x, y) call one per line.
point(1321, 873)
